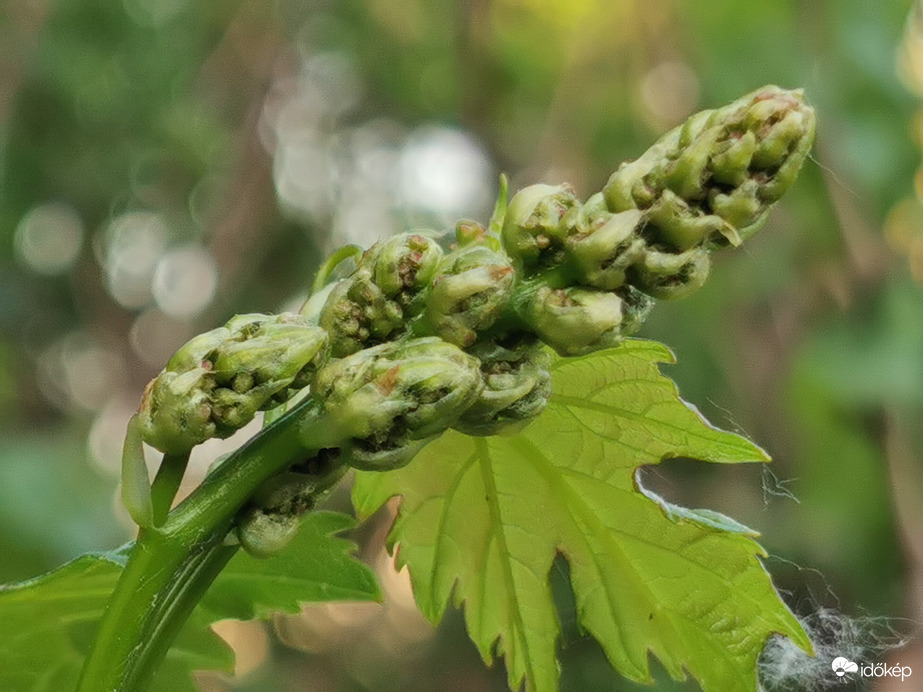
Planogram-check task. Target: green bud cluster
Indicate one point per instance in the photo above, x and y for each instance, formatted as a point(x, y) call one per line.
point(547, 229)
point(422, 337)
point(469, 292)
point(407, 284)
point(272, 517)
point(382, 404)
point(711, 182)
point(217, 381)
point(264, 533)
point(574, 276)
point(708, 183)
point(374, 304)
point(516, 387)
point(577, 320)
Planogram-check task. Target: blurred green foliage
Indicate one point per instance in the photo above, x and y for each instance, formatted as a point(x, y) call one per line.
point(260, 134)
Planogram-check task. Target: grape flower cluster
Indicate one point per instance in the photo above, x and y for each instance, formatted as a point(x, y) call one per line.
point(418, 336)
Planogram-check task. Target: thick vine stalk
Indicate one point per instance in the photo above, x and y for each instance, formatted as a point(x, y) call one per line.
point(170, 567)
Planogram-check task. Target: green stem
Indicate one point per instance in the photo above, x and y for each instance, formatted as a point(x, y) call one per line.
point(192, 578)
point(327, 268)
point(169, 568)
point(166, 484)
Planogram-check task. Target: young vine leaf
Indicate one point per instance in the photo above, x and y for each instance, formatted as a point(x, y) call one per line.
point(483, 518)
point(47, 624)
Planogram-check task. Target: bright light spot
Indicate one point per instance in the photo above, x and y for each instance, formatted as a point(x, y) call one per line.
point(910, 52)
point(77, 371)
point(185, 281)
point(205, 455)
point(155, 337)
point(366, 221)
point(134, 243)
point(325, 88)
point(153, 13)
point(91, 375)
point(205, 197)
point(331, 75)
point(369, 181)
point(670, 91)
point(48, 238)
point(445, 171)
point(108, 433)
point(302, 170)
point(297, 123)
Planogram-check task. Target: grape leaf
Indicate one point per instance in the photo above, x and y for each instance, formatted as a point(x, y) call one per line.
point(47, 624)
point(316, 567)
point(483, 518)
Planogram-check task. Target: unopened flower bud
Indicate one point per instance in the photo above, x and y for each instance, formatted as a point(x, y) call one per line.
point(635, 308)
point(382, 404)
point(573, 321)
point(217, 381)
point(402, 264)
point(607, 246)
point(469, 233)
point(357, 314)
point(667, 276)
point(263, 534)
point(714, 178)
point(731, 161)
point(741, 209)
point(232, 410)
point(195, 352)
point(246, 325)
point(595, 204)
point(272, 518)
point(290, 491)
point(534, 226)
point(277, 353)
point(680, 225)
point(264, 362)
point(176, 411)
point(469, 292)
point(517, 385)
point(686, 174)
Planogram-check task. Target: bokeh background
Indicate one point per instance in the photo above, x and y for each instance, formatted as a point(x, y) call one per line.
point(165, 164)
